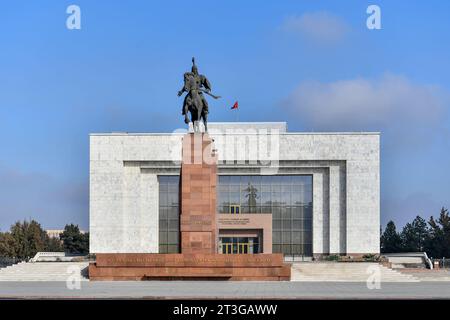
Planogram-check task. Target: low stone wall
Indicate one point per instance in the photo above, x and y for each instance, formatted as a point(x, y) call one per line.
point(154, 266)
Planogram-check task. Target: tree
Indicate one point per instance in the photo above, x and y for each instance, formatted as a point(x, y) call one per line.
point(414, 235)
point(54, 245)
point(7, 245)
point(438, 244)
point(74, 241)
point(25, 239)
point(29, 238)
point(390, 239)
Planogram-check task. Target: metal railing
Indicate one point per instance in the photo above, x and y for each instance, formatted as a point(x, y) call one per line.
point(7, 261)
point(297, 258)
point(444, 263)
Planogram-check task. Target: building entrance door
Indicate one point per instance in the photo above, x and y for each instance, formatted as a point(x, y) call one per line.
point(239, 245)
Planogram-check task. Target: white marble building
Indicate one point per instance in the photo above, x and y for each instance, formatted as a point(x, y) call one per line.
point(344, 167)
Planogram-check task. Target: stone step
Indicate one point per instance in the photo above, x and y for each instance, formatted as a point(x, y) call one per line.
point(42, 271)
point(427, 274)
point(351, 272)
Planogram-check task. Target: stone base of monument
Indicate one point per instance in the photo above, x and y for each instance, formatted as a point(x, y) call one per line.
point(183, 266)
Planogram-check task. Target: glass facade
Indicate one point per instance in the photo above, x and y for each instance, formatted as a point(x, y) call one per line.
point(169, 214)
point(287, 197)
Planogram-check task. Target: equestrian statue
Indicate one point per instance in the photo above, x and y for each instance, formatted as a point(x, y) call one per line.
point(195, 85)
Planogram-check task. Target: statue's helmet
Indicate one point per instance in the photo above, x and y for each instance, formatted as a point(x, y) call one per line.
point(194, 68)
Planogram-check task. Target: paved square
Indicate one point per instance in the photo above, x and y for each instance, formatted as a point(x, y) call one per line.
point(226, 290)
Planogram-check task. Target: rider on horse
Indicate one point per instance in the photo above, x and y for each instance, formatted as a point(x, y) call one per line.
point(194, 84)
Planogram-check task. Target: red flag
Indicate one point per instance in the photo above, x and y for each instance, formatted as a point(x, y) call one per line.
point(235, 106)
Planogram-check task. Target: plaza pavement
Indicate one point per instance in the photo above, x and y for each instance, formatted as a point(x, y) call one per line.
point(224, 290)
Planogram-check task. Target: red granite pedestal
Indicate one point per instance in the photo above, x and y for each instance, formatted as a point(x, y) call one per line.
point(198, 219)
point(199, 234)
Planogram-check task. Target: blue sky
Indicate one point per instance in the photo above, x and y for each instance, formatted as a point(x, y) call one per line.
point(313, 64)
